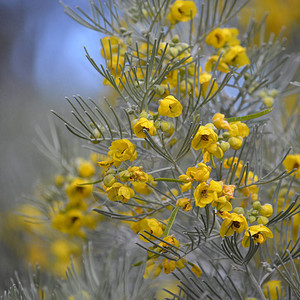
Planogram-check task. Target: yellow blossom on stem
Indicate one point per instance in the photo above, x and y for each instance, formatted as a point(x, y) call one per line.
point(182, 11)
point(168, 265)
point(137, 174)
point(204, 137)
point(142, 124)
point(169, 239)
point(142, 187)
point(209, 85)
point(220, 36)
point(212, 61)
point(206, 193)
point(199, 173)
point(292, 162)
point(150, 225)
point(122, 150)
point(222, 204)
point(237, 56)
point(153, 269)
point(76, 191)
point(259, 232)
point(220, 122)
point(119, 192)
point(170, 107)
point(238, 129)
point(114, 46)
point(86, 169)
point(233, 222)
point(70, 222)
point(185, 203)
point(196, 270)
point(274, 288)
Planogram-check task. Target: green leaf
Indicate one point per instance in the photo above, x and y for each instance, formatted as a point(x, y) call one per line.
point(171, 221)
point(250, 117)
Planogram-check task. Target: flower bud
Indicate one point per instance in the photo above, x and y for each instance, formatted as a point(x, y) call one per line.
point(235, 142)
point(157, 124)
point(145, 13)
point(252, 219)
point(262, 220)
point(247, 76)
point(262, 94)
point(110, 171)
point(273, 93)
point(239, 210)
point(173, 51)
point(175, 39)
point(165, 126)
point(124, 175)
point(160, 90)
point(254, 212)
point(97, 133)
point(256, 205)
point(109, 180)
point(268, 101)
point(226, 135)
point(144, 114)
point(59, 180)
point(225, 146)
point(266, 210)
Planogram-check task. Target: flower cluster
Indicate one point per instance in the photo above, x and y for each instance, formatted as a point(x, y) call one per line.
point(228, 46)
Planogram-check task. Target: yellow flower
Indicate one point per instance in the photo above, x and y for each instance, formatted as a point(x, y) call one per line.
point(210, 64)
point(76, 191)
point(59, 180)
point(274, 287)
point(170, 107)
point(220, 122)
point(114, 65)
point(114, 45)
point(150, 225)
point(259, 232)
point(208, 84)
point(169, 239)
point(220, 36)
point(204, 137)
point(142, 124)
point(205, 194)
point(182, 11)
point(233, 222)
point(142, 187)
point(152, 269)
point(222, 204)
point(86, 169)
point(119, 192)
point(185, 203)
point(238, 129)
point(167, 128)
point(70, 222)
point(292, 162)
point(122, 150)
point(199, 173)
point(196, 270)
point(168, 265)
point(237, 56)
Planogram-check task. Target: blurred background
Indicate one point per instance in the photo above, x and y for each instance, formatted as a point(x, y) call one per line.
point(42, 60)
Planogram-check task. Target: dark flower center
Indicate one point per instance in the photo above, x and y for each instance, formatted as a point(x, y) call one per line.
point(236, 224)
